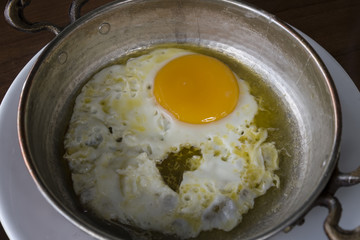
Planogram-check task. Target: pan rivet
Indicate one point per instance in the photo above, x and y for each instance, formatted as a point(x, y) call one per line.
point(62, 57)
point(104, 28)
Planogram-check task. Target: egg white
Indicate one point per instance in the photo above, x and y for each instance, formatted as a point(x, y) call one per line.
point(118, 133)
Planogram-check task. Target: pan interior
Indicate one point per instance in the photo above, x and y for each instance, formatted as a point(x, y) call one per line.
point(262, 51)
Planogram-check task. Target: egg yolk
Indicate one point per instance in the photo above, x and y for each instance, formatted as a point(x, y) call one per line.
point(196, 89)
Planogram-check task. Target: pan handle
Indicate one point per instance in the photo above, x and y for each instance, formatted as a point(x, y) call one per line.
point(75, 9)
point(14, 15)
point(328, 200)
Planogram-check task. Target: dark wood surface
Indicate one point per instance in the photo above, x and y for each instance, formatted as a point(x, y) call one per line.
point(334, 24)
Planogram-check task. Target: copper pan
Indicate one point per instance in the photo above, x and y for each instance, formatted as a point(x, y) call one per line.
point(265, 44)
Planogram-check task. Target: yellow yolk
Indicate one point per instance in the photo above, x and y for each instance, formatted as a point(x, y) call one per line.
point(196, 89)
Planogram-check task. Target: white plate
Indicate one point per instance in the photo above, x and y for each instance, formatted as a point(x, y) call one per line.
point(25, 214)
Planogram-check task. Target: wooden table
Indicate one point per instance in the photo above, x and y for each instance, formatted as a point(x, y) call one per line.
point(334, 24)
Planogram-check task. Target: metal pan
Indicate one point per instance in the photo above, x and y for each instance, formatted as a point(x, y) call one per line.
point(286, 63)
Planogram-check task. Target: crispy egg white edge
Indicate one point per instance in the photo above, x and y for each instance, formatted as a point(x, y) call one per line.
point(176, 224)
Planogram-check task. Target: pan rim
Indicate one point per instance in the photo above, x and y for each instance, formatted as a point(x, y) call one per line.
point(25, 151)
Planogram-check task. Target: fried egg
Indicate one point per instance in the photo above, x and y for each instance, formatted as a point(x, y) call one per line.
point(167, 142)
